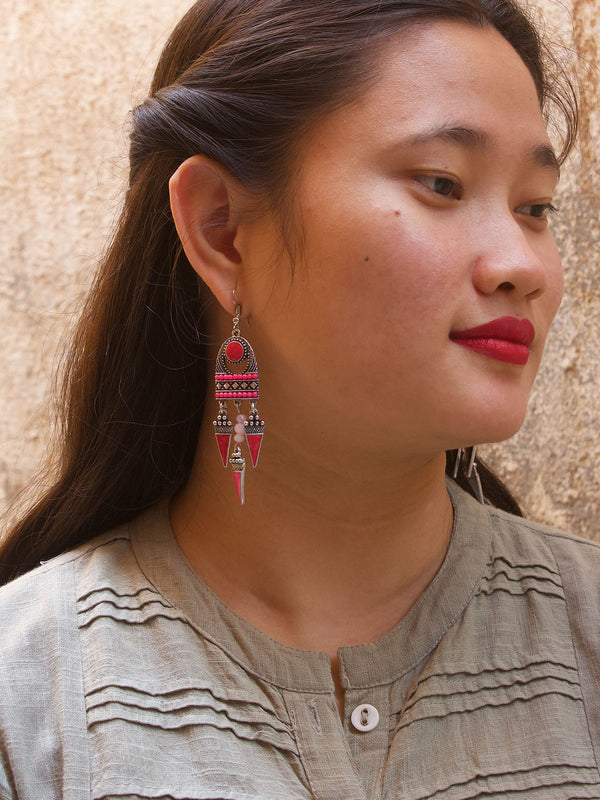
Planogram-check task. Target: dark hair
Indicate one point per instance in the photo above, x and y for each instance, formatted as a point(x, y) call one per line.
point(239, 81)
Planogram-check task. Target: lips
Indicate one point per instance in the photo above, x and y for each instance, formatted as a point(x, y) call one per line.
point(505, 339)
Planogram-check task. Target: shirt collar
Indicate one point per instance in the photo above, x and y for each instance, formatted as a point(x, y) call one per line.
point(361, 666)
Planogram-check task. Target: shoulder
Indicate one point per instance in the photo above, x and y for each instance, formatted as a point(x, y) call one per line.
point(38, 611)
point(550, 581)
point(520, 549)
point(41, 673)
point(39, 599)
point(525, 542)
point(576, 566)
point(571, 555)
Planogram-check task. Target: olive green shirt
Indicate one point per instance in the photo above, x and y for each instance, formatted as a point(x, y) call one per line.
point(123, 676)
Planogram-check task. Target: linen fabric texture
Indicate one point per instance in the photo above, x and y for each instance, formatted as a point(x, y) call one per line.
point(123, 676)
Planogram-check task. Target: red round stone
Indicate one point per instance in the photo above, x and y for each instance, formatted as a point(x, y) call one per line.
point(234, 352)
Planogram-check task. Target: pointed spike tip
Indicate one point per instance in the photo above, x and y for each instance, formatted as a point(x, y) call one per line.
point(238, 479)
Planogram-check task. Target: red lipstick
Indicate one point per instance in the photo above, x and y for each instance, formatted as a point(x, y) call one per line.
point(505, 339)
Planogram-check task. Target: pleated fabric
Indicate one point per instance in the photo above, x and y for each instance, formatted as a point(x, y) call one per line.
point(123, 676)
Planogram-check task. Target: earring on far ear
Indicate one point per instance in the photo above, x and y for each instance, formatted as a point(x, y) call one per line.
point(239, 385)
point(470, 470)
point(473, 475)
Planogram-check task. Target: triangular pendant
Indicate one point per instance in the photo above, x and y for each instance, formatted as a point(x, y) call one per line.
point(223, 441)
point(254, 444)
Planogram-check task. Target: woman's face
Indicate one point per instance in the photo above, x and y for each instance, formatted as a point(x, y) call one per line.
point(423, 208)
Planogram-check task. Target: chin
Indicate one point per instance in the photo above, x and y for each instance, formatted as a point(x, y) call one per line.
point(489, 422)
point(499, 428)
point(498, 415)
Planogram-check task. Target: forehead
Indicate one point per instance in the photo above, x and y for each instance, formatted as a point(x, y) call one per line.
point(437, 74)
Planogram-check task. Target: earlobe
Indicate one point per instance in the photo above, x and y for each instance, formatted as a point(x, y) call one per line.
point(201, 203)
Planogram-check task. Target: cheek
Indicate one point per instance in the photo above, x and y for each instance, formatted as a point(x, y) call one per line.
point(414, 279)
point(390, 257)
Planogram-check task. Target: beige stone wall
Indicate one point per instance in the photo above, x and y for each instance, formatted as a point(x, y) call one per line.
point(71, 69)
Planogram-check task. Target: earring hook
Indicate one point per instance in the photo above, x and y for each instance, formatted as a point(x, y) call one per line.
point(238, 307)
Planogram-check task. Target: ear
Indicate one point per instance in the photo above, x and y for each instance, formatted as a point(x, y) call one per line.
point(201, 202)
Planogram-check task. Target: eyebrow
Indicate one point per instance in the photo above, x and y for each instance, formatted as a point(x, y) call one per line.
point(544, 156)
point(541, 155)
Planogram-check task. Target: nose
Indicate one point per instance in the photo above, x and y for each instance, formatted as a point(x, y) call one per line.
point(511, 260)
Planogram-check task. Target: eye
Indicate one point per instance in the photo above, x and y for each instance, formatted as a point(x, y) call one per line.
point(538, 210)
point(442, 185)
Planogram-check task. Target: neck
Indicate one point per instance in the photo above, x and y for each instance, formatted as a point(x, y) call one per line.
point(324, 553)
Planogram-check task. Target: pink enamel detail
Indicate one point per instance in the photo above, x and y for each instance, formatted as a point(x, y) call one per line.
point(254, 444)
point(223, 441)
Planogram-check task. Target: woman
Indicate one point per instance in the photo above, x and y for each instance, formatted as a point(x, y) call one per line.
point(364, 189)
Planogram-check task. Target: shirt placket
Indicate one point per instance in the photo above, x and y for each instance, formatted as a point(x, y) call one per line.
point(323, 746)
point(366, 724)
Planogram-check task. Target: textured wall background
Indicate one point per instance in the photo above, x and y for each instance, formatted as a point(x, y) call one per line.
point(71, 70)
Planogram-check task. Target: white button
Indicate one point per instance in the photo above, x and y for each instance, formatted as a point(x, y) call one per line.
point(365, 718)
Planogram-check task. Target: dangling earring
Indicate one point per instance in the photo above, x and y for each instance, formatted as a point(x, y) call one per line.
point(239, 387)
point(457, 462)
point(471, 473)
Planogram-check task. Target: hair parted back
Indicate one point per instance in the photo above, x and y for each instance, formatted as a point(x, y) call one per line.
point(239, 81)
